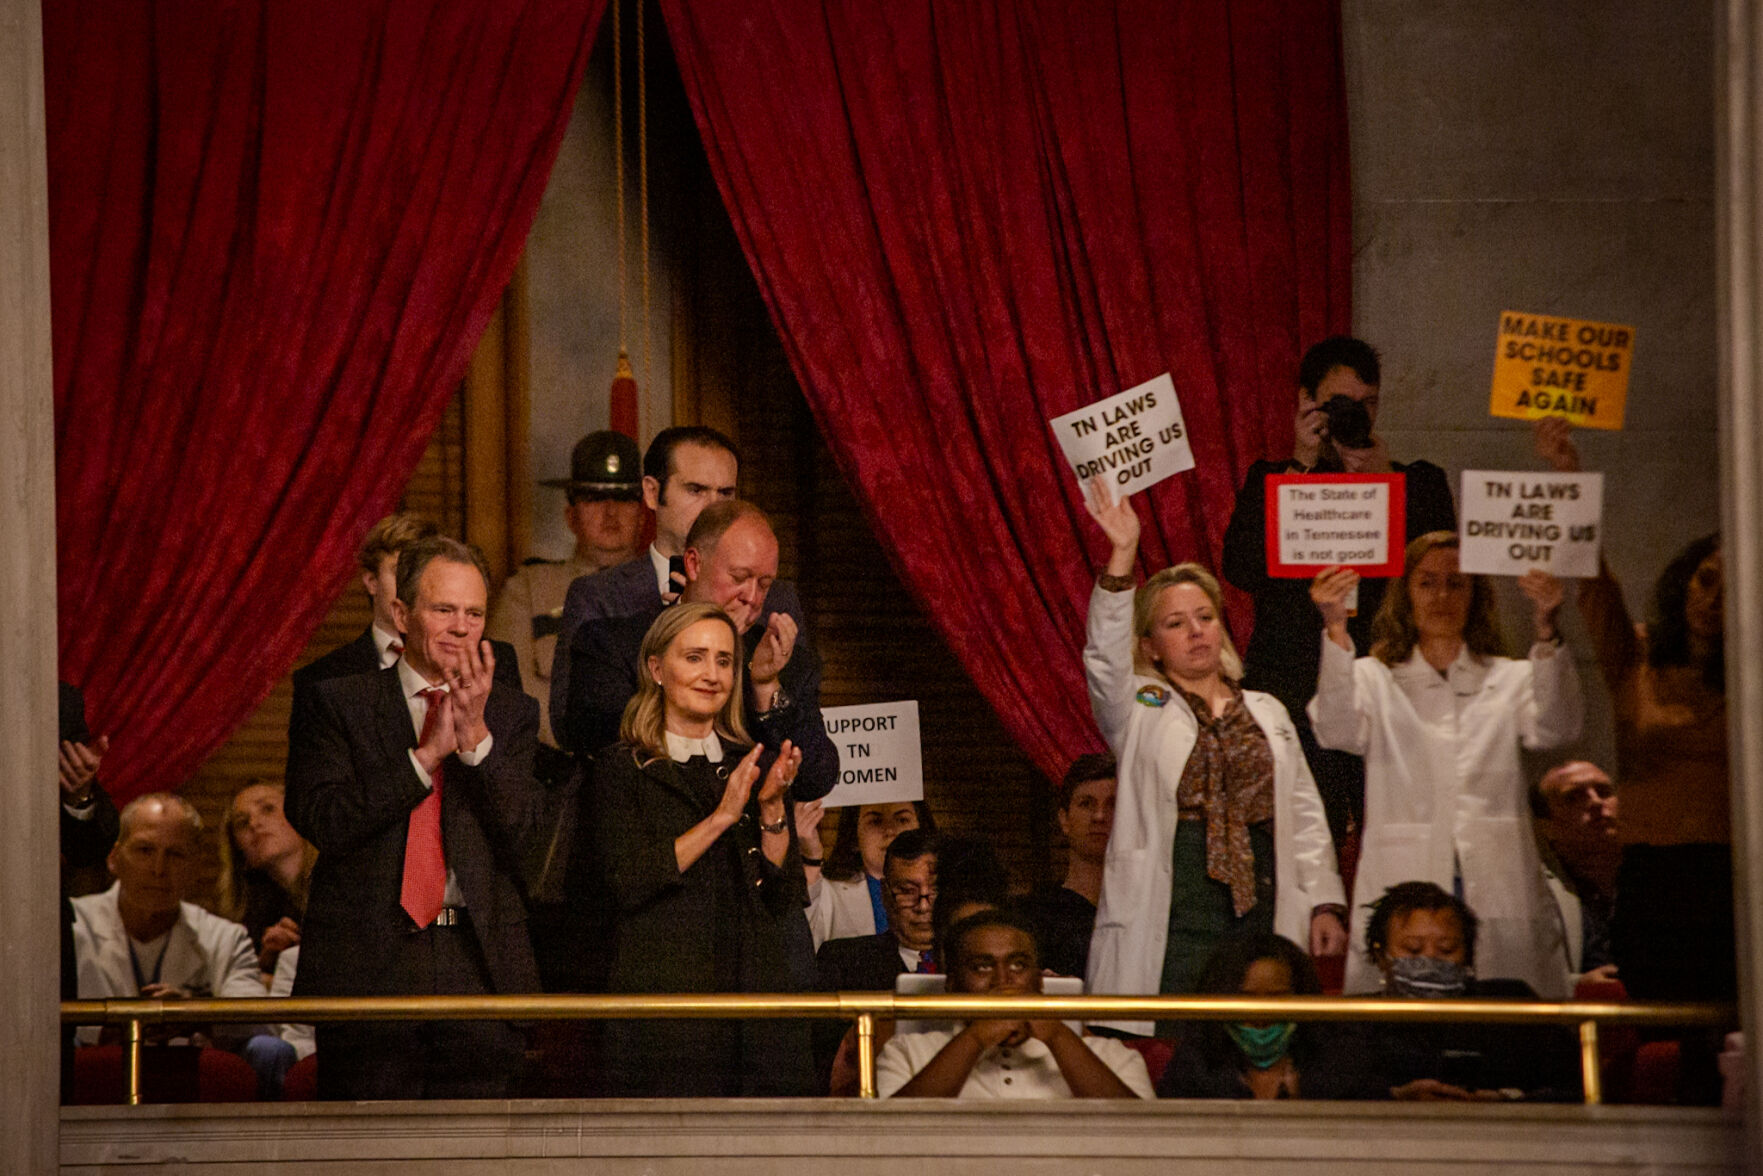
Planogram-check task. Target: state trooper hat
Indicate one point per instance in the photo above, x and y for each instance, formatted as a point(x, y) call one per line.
point(604, 464)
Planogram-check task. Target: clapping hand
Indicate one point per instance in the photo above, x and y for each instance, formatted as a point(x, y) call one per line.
point(79, 769)
point(774, 649)
point(739, 788)
point(469, 681)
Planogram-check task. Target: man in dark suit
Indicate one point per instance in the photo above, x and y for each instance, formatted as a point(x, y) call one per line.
point(380, 643)
point(686, 468)
point(416, 784)
point(866, 963)
point(731, 561)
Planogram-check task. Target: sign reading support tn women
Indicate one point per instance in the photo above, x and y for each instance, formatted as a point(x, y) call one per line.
point(880, 761)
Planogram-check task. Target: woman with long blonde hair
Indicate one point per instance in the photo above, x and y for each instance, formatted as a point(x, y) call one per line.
point(1439, 713)
point(265, 871)
point(694, 833)
point(1218, 828)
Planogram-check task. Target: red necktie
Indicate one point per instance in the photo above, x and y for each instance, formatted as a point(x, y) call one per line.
point(425, 864)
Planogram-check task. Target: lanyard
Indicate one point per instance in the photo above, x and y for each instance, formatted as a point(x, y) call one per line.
point(158, 964)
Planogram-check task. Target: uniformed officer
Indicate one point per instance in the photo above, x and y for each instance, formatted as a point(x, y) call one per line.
point(605, 513)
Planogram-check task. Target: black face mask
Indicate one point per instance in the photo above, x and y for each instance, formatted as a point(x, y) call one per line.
point(1426, 976)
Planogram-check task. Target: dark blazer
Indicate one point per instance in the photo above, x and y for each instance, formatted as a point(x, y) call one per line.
point(720, 926)
point(624, 590)
point(862, 963)
point(604, 655)
point(350, 790)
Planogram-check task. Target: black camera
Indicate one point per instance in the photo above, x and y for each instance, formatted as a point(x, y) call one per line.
point(1349, 424)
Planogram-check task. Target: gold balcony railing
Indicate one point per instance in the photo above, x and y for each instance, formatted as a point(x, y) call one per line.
point(866, 1008)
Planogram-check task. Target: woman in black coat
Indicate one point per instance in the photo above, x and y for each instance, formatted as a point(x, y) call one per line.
point(702, 868)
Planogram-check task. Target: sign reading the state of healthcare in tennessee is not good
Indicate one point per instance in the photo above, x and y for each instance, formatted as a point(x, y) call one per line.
point(1316, 521)
point(1547, 366)
point(1134, 440)
point(880, 760)
point(1513, 522)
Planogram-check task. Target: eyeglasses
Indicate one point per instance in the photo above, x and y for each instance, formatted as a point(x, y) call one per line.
point(911, 896)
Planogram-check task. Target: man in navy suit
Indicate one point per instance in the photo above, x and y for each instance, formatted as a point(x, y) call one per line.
point(416, 784)
point(687, 468)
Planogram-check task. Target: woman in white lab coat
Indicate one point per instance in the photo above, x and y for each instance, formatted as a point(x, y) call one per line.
point(1218, 828)
point(1439, 716)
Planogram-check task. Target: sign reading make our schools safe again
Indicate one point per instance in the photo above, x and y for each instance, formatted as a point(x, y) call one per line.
point(1573, 368)
point(1133, 439)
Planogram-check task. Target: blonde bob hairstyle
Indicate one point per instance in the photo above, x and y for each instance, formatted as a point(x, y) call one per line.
point(644, 725)
point(1393, 631)
point(1144, 604)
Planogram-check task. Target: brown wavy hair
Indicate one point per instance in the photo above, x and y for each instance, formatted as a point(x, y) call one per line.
point(644, 725)
point(1393, 632)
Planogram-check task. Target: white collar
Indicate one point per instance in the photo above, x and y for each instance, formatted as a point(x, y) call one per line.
point(382, 641)
point(659, 563)
point(681, 748)
point(412, 682)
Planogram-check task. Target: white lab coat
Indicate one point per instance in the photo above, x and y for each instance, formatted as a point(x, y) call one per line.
point(840, 909)
point(1152, 744)
point(1445, 792)
point(207, 955)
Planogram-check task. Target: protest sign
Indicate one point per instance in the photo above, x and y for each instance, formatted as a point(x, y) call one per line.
point(1573, 368)
point(1513, 522)
point(1135, 439)
point(880, 760)
point(1315, 521)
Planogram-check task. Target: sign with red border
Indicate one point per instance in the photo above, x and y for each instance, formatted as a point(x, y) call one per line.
point(1316, 521)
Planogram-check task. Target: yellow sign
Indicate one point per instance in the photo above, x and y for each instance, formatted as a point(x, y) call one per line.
point(1546, 366)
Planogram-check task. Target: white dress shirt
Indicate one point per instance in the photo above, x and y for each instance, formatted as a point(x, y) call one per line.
point(383, 642)
point(1026, 1071)
point(413, 684)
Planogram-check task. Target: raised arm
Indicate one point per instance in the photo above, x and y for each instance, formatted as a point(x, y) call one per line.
point(1335, 712)
point(1108, 654)
point(1552, 712)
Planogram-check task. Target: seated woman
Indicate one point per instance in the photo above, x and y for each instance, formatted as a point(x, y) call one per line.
point(1262, 1059)
point(265, 870)
point(1421, 939)
point(1440, 714)
point(844, 890)
point(702, 868)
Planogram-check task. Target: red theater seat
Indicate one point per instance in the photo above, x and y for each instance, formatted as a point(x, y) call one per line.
point(169, 1074)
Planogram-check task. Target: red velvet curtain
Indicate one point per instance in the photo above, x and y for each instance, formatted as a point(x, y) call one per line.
point(969, 217)
point(276, 232)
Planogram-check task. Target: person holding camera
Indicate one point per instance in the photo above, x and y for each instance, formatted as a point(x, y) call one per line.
point(1334, 432)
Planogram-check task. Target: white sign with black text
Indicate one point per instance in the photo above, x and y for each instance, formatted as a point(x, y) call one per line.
point(1513, 522)
point(1134, 439)
point(880, 761)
